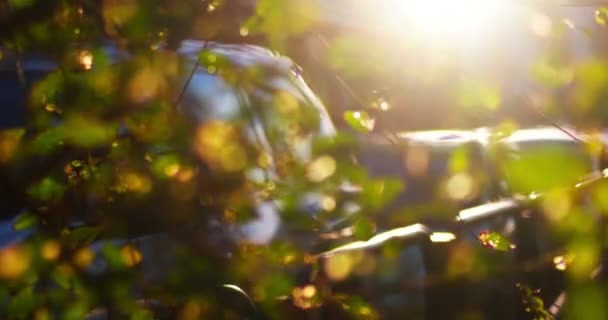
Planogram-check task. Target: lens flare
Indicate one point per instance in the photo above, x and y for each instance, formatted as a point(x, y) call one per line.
point(441, 23)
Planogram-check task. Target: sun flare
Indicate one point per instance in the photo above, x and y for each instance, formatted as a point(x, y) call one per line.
point(462, 23)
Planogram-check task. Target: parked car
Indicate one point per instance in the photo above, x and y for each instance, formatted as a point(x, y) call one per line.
point(416, 262)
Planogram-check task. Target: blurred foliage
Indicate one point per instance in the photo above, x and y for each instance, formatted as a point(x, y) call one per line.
point(134, 206)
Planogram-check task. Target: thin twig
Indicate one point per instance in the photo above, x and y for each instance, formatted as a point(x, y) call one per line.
point(341, 80)
point(196, 65)
point(546, 118)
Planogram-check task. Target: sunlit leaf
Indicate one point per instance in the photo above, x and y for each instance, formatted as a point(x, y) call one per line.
point(288, 17)
point(380, 192)
point(459, 160)
point(9, 141)
point(75, 311)
point(592, 77)
point(359, 120)
point(537, 169)
point(86, 132)
point(534, 304)
point(48, 189)
point(552, 73)
point(20, 4)
point(363, 229)
point(83, 236)
point(477, 94)
point(601, 16)
point(586, 299)
point(23, 303)
point(495, 240)
point(63, 276)
point(25, 220)
point(47, 141)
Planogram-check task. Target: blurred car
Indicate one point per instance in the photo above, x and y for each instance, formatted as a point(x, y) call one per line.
point(417, 262)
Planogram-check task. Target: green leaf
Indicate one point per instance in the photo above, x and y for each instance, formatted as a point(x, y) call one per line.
point(363, 228)
point(25, 221)
point(62, 279)
point(359, 120)
point(379, 193)
point(47, 141)
point(552, 74)
point(75, 311)
point(324, 144)
point(459, 160)
point(496, 241)
point(47, 190)
point(113, 256)
point(86, 132)
point(83, 236)
point(21, 4)
point(22, 304)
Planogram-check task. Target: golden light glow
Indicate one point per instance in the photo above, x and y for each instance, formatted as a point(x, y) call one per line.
point(557, 204)
point(541, 24)
point(85, 59)
point(321, 168)
point(328, 203)
point(136, 182)
point(50, 250)
point(172, 169)
point(130, 255)
point(83, 257)
point(303, 297)
point(442, 23)
point(560, 263)
point(9, 140)
point(417, 160)
point(217, 142)
point(192, 310)
point(14, 261)
point(338, 267)
point(460, 186)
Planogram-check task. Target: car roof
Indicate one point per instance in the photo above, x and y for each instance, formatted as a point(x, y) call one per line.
point(440, 137)
point(545, 134)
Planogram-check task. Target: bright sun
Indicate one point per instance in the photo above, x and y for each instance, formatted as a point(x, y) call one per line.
point(460, 23)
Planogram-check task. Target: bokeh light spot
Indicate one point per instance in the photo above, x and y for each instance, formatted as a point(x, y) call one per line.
point(556, 204)
point(85, 60)
point(14, 261)
point(560, 263)
point(321, 168)
point(130, 255)
point(417, 160)
point(83, 257)
point(460, 186)
point(50, 250)
point(328, 203)
point(217, 143)
point(339, 266)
